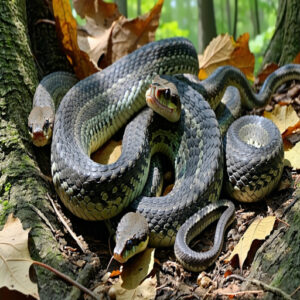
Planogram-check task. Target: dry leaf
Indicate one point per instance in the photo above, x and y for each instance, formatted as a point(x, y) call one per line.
point(242, 58)
point(258, 230)
point(15, 259)
point(223, 50)
point(100, 18)
point(216, 54)
point(292, 157)
point(66, 28)
point(297, 59)
point(145, 291)
point(137, 269)
point(283, 117)
point(267, 70)
point(107, 35)
point(108, 153)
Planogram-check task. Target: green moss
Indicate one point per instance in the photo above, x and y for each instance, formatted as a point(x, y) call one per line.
point(7, 187)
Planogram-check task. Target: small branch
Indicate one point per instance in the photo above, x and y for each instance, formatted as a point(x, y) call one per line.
point(67, 278)
point(43, 217)
point(47, 21)
point(295, 291)
point(240, 293)
point(263, 285)
point(72, 233)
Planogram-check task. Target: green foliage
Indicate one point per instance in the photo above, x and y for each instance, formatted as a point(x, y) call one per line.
point(170, 29)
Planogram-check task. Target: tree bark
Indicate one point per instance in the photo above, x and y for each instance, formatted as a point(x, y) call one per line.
point(206, 23)
point(277, 262)
point(22, 188)
point(285, 43)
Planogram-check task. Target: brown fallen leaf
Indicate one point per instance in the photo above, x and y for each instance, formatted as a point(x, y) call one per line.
point(283, 117)
point(223, 50)
point(15, 259)
point(258, 230)
point(107, 35)
point(66, 29)
point(266, 71)
point(145, 291)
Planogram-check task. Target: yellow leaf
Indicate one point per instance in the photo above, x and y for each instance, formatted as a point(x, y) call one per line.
point(108, 153)
point(292, 157)
point(223, 50)
point(66, 29)
point(137, 269)
point(258, 230)
point(15, 259)
point(283, 117)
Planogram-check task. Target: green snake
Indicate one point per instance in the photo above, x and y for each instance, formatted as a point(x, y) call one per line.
point(95, 108)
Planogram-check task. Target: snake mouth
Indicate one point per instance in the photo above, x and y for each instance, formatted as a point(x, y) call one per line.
point(39, 138)
point(152, 99)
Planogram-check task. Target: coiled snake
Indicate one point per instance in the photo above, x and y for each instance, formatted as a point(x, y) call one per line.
point(95, 108)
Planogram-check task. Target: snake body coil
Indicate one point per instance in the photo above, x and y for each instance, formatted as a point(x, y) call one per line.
point(95, 108)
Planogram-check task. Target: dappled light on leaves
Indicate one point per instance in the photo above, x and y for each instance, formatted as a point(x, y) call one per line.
point(66, 29)
point(223, 50)
point(258, 230)
point(107, 35)
point(15, 259)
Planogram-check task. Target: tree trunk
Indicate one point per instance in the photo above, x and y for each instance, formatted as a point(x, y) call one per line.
point(277, 262)
point(206, 23)
point(122, 5)
point(22, 188)
point(285, 43)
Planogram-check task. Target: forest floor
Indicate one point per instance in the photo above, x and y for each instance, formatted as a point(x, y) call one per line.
point(173, 282)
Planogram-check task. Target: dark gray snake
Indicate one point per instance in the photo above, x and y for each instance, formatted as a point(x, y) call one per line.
point(98, 106)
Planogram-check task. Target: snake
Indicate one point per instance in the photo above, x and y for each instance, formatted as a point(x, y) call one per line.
point(97, 107)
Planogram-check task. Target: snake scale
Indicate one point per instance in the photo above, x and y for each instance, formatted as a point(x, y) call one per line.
point(95, 108)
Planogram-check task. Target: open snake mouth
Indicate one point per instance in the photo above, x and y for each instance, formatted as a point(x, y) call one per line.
point(153, 95)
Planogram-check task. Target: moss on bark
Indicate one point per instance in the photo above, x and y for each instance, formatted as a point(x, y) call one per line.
point(21, 186)
point(285, 43)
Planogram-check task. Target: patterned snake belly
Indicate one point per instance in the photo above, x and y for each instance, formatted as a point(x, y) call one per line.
point(98, 106)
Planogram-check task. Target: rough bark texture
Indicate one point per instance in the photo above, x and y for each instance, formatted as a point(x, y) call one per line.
point(277, 262)
point(285, 43)
point(206, 23)
point(22, 189)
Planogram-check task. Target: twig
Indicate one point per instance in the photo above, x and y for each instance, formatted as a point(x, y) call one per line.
point(42, 216)
point(295, 291)
point(72, 233)
point(47, 21)
point(283, 222)
point(67, 278)
point(265, 286)
point(239, 293)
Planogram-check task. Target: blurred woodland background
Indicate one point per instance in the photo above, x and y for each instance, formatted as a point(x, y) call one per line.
point(202, 20)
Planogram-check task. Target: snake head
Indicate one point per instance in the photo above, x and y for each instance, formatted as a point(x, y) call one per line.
point(40, 125)
point(132, 236)
point(163, 98)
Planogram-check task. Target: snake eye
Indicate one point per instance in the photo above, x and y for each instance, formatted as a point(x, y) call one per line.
point(46, 125)
point(30, 128)
point(129, 244)
point(167, 94)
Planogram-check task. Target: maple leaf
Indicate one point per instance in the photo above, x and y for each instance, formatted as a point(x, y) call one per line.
point(15, 259)
point(258, 230)
point(223, 50)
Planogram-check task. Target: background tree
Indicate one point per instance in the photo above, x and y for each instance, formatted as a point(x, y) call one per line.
point(285, 45)
point(206, 23)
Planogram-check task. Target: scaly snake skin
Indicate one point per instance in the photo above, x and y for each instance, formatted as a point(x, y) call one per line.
point(98, 106)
